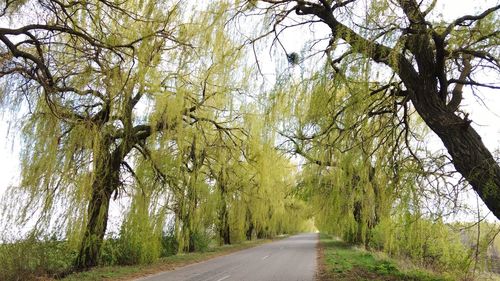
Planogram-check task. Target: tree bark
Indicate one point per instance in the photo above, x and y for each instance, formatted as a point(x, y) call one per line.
point(224, 230)
point(470, 156)
point(95, 229)
point(106, 181)
point(250, 230)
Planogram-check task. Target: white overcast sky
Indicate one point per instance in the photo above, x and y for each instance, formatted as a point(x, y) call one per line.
point(485, 117)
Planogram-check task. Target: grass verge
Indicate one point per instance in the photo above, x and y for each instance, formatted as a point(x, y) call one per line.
point(340, 261)
point(123, 273)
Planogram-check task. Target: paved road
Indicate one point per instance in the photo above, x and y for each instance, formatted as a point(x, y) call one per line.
point(291, 259)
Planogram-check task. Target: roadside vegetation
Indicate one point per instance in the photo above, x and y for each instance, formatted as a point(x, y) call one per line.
point(341, 261)
point(163, 264)
point(52, 260)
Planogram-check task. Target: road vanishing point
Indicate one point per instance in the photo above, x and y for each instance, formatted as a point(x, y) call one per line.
point(291, 259)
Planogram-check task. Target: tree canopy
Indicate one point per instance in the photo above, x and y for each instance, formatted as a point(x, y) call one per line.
point(430, 61)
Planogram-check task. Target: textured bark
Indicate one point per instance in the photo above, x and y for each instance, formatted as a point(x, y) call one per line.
point(106, 182)
point(224, 232)
point(470, 156)
point(94, 231)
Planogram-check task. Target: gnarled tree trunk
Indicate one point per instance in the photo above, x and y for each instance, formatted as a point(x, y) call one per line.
point(94, 230)
point(106, 181)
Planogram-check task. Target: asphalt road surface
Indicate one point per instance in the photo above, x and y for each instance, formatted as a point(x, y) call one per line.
point(291, 259)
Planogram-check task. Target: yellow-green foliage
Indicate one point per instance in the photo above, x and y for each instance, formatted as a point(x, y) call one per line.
point(166, 93)
point(141, 233)
point(202, 154)
point(358, 183)
point(30, 258)
point(429, 243)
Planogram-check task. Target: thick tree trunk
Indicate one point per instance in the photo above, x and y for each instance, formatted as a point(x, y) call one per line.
point(356, 236)
point(249, 233)
point(192, 243)
point(95, 229)
point(106, 181)
point(225, 231)
point(470, 156)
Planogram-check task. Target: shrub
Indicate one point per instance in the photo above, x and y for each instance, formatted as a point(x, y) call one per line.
point(201, 241)
point(32, 257)
point(169, 244)
point(110, 251)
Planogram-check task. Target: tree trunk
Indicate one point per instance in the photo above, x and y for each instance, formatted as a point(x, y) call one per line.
point(224, 230)
point(192, 243)
point(250, 230)
point(470, 156)
point(357, 236)
point(106, 181)
point(95, 229)
point(249, 233)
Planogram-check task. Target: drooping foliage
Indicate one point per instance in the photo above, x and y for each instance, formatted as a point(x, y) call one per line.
point(160, 115)
point(362, 182)
point(141, 103)
point(368, 175)
point(415, 55)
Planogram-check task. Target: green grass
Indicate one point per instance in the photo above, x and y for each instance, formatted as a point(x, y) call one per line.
point(342, 261)
point(164, 264)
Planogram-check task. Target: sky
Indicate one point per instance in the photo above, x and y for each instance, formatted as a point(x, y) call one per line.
point(485, 113)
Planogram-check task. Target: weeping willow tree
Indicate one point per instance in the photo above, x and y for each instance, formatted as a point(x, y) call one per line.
point(112, 92)
point(247, 184)
point(352, 154)
point(367, 171)
point(273, 208)
point(361, 176)
point(81, 88)
point(429, 63)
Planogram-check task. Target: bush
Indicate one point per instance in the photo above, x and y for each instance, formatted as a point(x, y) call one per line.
point(31, 258)
point(200, 241)
point(169, 244)
point(110, 252)
point(136, 250)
